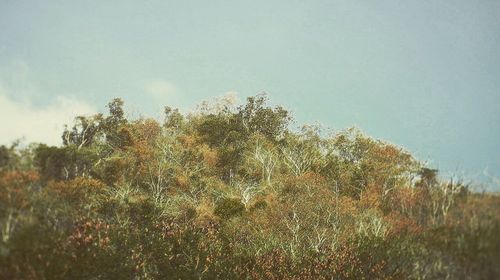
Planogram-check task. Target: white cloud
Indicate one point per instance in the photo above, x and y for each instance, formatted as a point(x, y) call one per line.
point(20, 119)
point(160, 89)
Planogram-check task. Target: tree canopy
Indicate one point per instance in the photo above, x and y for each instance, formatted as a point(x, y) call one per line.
point(235, 192)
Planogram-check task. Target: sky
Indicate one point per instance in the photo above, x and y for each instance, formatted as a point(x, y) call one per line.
point(424, 75)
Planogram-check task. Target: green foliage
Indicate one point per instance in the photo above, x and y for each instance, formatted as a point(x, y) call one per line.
point(229, 207)
point(256, 117)
point(5, 156)
point(63, 163)
point(231, 192)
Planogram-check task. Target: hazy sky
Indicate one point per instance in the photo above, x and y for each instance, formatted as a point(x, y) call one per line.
point(421, 74)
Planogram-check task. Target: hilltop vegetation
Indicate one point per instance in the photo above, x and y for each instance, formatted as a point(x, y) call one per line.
point(233, 193)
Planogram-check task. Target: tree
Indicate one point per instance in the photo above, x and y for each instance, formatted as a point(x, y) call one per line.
point(84, 132)
point(256, 117)
point(304, 151)
point(173, 118)
point(64, 163)
point(5, 156)
point(428, 177)
point(116, 112)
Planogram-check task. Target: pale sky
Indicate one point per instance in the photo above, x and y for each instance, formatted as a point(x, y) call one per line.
point(424, 75)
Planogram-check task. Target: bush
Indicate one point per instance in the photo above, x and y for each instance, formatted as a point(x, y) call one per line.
point(229, 207)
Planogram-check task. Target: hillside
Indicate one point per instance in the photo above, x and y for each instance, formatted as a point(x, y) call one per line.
point(232, 192)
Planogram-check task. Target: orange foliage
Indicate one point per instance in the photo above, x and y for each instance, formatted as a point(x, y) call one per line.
point(187, 141)
point(14, 187)
point(312, 178)
point(76, 188)
point(89, 233)
point(182, 181)
point(205, 212)
point(210, 156)
point(371, 197)
point(147, 131)
point(18, 178)
point(309, 182)
point(400, 225)
point(347, 206)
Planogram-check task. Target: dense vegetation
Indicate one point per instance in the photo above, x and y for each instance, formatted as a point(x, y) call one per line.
point(233, 193)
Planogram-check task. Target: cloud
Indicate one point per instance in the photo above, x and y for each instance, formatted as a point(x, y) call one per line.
point(20, 119)
point(160, 89)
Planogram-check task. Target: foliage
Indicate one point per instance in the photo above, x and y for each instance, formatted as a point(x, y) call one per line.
point(232, 192)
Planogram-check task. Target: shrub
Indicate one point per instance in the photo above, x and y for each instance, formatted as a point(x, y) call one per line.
point(229, 207)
